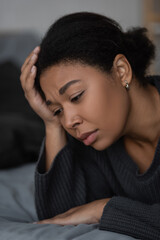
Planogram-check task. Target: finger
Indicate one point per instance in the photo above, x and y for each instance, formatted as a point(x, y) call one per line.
point(62, 218)
point(27, 70)
point(35, 51)
point(46, 221)
point(57, 217)
point(31, 61)
point(60, 221)
point(29, 85)
point(67, 213)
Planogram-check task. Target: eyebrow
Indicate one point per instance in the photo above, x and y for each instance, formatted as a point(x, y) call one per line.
point(63, 89)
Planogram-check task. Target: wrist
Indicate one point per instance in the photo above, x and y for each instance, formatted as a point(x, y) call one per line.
point(54, 142)
point(55, 132)
point(100, 207)
point(51, 127)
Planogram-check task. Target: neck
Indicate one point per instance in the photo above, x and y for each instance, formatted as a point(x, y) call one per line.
point(143, 125)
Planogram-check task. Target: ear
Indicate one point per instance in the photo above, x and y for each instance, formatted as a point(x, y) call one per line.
point(123, 69)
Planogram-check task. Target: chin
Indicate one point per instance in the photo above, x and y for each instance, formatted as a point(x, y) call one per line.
point(105, 142)
point(101, 145)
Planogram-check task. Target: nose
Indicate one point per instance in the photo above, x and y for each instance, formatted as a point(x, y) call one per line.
point(71, 119)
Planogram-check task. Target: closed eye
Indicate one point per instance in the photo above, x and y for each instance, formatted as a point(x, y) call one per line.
point(76, 98)
point(57, 112)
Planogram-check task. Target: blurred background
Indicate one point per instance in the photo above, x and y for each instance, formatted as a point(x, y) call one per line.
point(23, 24)
point(32, 18)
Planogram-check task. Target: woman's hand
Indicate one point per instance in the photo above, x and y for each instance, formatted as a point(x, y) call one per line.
point(28, 74)
point(53, 127)
point(88, 213)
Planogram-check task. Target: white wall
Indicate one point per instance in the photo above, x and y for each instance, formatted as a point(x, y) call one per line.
point(38, 15)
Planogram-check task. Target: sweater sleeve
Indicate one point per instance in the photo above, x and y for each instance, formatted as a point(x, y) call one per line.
point(71, 181)
point(132, 218)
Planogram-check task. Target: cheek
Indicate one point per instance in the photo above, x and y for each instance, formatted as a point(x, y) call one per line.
point(112, 121)
point(116, 121)
point(96, 107)
point(109, 111)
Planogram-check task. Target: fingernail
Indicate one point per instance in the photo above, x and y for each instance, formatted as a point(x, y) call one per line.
point(34, 57)
point(36, 49)
point(33, 69)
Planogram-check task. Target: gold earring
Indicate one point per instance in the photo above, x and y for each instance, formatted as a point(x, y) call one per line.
point(127, 85)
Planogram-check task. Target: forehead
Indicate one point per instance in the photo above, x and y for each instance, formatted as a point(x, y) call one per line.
point(56, 76)
point(60, 73)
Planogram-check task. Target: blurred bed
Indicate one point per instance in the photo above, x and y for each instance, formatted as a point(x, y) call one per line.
point(21, 134)
point(17, 212)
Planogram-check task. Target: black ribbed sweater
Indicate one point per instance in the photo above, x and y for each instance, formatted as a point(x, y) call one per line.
point(81, 174)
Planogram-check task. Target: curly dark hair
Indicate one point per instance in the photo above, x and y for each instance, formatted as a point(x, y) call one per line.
point(95, 40)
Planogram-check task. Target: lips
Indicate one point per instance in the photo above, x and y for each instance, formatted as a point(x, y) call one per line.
point(89, 138)
point(85, 135)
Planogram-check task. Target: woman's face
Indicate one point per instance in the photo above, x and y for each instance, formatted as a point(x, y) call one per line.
point(91, 105)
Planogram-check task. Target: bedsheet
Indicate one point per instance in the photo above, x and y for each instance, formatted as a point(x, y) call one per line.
point(17, 213)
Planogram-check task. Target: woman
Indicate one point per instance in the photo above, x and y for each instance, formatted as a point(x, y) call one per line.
point(99, 161)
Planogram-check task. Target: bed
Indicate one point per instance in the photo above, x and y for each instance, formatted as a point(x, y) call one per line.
point(17, 212)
